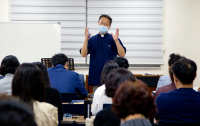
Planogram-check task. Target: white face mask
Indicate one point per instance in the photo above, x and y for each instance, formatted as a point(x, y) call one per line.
point(103, 29)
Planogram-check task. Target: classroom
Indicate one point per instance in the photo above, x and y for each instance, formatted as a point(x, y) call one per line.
point(65, 35)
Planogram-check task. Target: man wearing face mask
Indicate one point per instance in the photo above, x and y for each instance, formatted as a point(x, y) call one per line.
point(101, 47)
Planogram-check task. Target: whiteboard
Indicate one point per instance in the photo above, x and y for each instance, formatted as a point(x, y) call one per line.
point(29, 42)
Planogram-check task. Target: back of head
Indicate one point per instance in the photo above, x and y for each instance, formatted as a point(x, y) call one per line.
point(14, 112)
point(43, 68)
point(122, 62)
point(134, 98)
point(107, 68)
point(115, 78)
point(173, 58)
point(9, 64)
point(185, 70)
point(28, 83)
point(59, 58)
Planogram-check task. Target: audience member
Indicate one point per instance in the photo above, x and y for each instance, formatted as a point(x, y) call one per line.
point(64, 80)
point(28, 84)
point(8, 67)
point(14, 112)
point(182, 104)
point(52, 95)
point(114, 79)
point(133, 104)
point(122, 62)
point(100, 97)
point(165, 80)
point(166, 88)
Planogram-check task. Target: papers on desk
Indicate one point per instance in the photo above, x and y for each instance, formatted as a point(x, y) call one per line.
point(77, 101)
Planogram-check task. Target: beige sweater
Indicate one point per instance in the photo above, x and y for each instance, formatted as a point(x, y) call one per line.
point(45, 114)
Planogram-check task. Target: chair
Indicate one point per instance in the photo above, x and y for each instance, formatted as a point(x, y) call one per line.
point(47, 62)
point(68, 97)
point(106, 105)
point(81, 76)
point(169, 123)
point(73, 108)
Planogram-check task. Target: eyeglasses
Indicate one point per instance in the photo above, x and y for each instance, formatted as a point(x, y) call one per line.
point(105, 24)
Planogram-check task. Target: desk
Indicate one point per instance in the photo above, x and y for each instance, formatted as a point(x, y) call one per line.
point(146, 78)
point(78, 120)
point(68, 121)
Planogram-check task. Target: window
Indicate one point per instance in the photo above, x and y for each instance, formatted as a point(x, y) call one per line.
point(140, 24)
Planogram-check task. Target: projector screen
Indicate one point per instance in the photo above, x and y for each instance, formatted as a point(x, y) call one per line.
point(29, 42)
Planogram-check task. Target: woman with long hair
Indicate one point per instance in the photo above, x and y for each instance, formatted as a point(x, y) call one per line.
point(28, 84)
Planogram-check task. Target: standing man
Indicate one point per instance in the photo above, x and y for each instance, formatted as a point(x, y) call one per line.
point(101, 47)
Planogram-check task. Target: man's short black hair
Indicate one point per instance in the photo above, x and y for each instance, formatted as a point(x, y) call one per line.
point(107, 16)
point(122, 62)
point(173, 58)
point(9, 64)
point(185, 70)
point(14, 112)
point(59, 58)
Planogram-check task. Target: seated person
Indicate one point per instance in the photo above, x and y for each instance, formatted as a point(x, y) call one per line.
point(133, 104)
point(114, 79)
point(165, 80)
point(28, 85)
point(166, 88)
point(52, 95)
point(122, 62)
point(182, 104)
point(14, 112)
point(100, 97)
point(63, 80)
point(8, 67)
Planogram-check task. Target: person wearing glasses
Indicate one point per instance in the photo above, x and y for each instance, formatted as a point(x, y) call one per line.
point(101, 47)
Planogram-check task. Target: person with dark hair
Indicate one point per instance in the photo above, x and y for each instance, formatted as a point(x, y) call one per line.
point(122, 62)
point(52, 95)
point(169, 87)
point(101, 47)
point(99, 95)
point(8, 67)
point(166, 80)
point(14, 112)
point(28, 85)
point(134, 104)
point(114, 79)
point(63, 80)
point(180, 105)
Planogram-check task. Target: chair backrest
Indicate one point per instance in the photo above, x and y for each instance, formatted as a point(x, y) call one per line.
point(106, 105)
point(73, 108)
point(81, 76)
point(68, 97)
point(150, 81)
point(167, 123)
point(47, 62)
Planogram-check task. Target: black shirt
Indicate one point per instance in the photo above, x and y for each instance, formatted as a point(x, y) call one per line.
point(53, 97)
point(106, 118)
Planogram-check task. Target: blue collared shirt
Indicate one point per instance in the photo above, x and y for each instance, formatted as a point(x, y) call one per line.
point(101, 49)
point(66, 81)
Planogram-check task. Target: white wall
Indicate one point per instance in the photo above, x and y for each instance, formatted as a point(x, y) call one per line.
point(181, 32)
point(4, 10)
